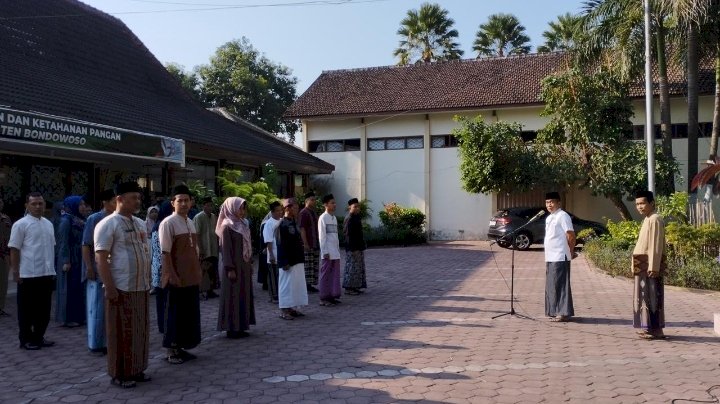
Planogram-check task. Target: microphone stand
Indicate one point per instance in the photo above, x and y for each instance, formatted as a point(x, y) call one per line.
point(512, 269)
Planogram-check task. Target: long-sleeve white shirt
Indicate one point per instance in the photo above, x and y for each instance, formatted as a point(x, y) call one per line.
point(328, 232)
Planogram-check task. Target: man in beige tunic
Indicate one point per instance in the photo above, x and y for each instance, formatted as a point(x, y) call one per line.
point(181, 277)
point(648, 266)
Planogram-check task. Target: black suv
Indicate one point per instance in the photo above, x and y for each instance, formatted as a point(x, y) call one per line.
point(507, 220)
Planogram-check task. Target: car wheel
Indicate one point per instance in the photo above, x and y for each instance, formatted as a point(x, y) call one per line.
point(522, 241)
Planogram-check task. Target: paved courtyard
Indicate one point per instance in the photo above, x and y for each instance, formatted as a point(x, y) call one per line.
point(422, 333)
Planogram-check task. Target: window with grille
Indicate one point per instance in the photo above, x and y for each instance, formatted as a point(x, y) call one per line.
point(396, 143)
point(376, 144)
point(414, 143)
point(325, 146)
point(439, 141)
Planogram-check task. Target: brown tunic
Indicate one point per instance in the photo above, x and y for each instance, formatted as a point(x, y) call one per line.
point(179, 238)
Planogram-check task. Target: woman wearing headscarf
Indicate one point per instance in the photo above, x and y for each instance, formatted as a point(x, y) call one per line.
point(70, 308)
point(237, 307)
point(164, 211)
point(151, 218)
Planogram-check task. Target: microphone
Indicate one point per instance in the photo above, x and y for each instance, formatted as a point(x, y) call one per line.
point(537, 216)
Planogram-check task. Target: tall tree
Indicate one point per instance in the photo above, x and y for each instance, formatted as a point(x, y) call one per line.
point(561, 34)
point(613, 36)
point(501, 35)
point(251, 86)
point(583, 144)
point(694, 17)
point(427, 35)
point(188, 80)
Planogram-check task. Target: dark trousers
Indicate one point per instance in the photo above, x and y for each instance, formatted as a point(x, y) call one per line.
point(34, 300)
point(182, 317)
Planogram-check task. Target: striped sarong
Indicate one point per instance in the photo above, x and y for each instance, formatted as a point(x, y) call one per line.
point(128, 338)
point(312, 266)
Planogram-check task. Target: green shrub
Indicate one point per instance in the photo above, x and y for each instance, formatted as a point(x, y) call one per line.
point(673, 207)
point(697, 272)
point(258, 196)
point(395, 216)
point(611, 256)
point(624, 232)
point(385, 236)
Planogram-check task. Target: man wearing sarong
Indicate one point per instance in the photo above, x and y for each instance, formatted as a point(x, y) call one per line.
point(32, 256)
point(122, 256)
point(268, 234)
point(648, 266)
point(181, 276)
point(354, 280)
point(329, 284)
point(559, 250)
point(205, 223)
point(292, 291)
point(95, 303)
point(308, 222)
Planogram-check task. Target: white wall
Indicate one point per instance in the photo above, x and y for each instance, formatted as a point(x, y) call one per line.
point(395, 176)
point(454, 213)
point(399, 175)
point(344, 182)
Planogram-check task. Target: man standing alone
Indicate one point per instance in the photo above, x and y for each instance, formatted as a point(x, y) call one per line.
point(181, 275)
point(32, 262)
point(126, 280)
point(649, 265)
point(205, 224)
point(559, 250)
point(308, 222)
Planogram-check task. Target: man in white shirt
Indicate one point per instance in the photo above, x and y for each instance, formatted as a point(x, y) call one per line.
point(559, 250)
point(122, 255)
point(268, 234)
point(32, 262)
point(329, 283)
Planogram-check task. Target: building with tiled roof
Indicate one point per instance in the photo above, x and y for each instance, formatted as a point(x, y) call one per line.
point(387, 130)
point(67, 66)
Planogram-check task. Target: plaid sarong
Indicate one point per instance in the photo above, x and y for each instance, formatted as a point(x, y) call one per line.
point(312, 266)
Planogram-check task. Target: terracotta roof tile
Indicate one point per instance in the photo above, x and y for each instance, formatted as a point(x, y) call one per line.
point(456, 85)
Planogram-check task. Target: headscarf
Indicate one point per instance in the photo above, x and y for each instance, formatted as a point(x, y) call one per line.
point(164, 211)
point(227, 217)
point(72, 208)
point(149, 223)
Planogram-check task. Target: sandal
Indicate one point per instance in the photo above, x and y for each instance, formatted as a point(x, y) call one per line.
point(560, 319)
point(652, 337)
point(352, 292)
point(175, 359)
point(186, 355)
point(125, 384)
point(286, 316)
point(296, 313)
point(326, 303)
point(142, 378)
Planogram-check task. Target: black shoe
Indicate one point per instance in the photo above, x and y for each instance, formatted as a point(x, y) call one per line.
point(47, 343)
point(312, 289)
point(30, 346)
point(185, 355)
point(335, 301)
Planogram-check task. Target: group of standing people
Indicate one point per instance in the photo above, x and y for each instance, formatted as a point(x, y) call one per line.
point(104, 267)
point(648, 266)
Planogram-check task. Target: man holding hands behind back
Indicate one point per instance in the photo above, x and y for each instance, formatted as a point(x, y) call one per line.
point(559, 250)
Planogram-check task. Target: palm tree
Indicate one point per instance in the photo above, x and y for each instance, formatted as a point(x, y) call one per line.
point(427, 36)
point(562, 34)
point(501, 35)
point(612, 35)
point(694, 17)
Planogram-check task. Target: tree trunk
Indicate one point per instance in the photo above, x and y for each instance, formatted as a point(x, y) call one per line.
point(665, 120)
point(617, 201)
point(716, 111)
point(692, 87)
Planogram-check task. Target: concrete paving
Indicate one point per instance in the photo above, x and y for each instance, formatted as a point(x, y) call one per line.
point(422, 333)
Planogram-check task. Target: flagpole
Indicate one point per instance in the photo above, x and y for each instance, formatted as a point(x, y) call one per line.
point(649, 126)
